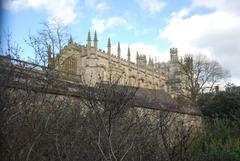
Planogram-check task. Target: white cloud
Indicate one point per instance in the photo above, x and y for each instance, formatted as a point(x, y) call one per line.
point(151, 6)
point(60, 10)
point(100, 25)
point(102, 6)
point(216, 34)
point(97, 5)
point(116, 21)
point(219, 5)
point(149, 50)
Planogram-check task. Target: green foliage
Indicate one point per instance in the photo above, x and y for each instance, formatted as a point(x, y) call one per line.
point(220, 141)
point(223, 104)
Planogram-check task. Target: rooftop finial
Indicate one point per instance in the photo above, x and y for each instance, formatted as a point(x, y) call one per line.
point(70, 40)
point(137, 58)
point(109, 45)
point(119, 50)
point(50, 59)
point(49, 51)
point(95, 36)
point(109, 42)
point(129, 54)
point(95, 41)
point(89, 36)
point(89, 40)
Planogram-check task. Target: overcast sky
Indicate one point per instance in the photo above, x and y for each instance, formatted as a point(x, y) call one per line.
point(210, 27)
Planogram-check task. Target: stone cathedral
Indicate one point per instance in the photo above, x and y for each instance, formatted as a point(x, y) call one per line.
point(94, 65)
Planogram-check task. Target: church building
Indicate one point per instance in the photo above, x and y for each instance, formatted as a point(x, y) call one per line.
point(93, 65)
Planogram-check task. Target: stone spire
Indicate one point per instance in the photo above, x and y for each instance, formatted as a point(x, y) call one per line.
point(150, 62)
point(95, 41)
point(50, 59)
point(49, 52)
point(89, 40)
point(119, 51)
point(109, 46)
point(129, 54)
point(70, 40)
point(155, 62)
point(137, 59)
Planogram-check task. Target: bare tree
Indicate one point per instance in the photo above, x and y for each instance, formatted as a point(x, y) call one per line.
point(112, 106)
point(49, 40)
point(8, 47)
point(178, 137)
point(27, 111)
point(199, 74)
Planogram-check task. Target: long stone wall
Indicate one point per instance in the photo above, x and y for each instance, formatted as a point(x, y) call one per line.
point(28, 76)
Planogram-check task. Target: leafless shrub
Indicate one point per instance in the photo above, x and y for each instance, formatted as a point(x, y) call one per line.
point(41, 119)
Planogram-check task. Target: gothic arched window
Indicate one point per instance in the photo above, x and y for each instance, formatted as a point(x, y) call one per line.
point(70, 65)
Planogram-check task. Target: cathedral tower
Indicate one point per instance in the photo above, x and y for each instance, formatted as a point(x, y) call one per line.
point(173, 55)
